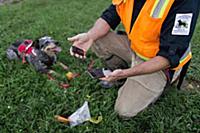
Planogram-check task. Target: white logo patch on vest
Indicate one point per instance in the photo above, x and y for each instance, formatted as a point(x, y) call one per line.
point(182, 24)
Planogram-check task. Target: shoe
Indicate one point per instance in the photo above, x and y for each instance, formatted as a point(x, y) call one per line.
point(106, 84)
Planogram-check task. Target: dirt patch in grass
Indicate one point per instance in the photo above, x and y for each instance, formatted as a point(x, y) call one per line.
point(195, 83)
point(2, 2)
point(190, 84)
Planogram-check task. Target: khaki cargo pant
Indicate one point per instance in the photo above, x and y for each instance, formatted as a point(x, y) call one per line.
point(138, 91)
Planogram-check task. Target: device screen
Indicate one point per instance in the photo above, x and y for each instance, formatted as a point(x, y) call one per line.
point(77, 50)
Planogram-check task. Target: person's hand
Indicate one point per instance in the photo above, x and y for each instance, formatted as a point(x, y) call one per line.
point(81, 41)
point(114, 76)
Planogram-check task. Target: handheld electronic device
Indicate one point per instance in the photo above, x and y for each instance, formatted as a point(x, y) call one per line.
point(77, 50)
point(99, 73)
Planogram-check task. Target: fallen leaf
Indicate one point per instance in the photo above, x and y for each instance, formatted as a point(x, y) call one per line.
point(64, 85)
point(50, 77)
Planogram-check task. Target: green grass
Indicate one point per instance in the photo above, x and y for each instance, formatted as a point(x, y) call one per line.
point(28, 101)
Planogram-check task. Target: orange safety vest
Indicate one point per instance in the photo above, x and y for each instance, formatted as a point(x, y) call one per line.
point(145, 33)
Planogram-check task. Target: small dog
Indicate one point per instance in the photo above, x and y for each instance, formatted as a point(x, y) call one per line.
point(41, 53)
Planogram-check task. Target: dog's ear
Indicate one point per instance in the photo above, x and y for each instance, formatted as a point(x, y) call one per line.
point(36, 44)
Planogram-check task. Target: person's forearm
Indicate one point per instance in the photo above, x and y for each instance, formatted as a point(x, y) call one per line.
point(155, 64)
point(100, 28)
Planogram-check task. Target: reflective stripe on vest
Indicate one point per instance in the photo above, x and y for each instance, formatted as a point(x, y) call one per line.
point(159, 8)
point(185, 58)
point(145, 33)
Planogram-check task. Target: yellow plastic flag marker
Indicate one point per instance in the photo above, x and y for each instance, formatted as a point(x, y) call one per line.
point(88, 96)
point(96, 120)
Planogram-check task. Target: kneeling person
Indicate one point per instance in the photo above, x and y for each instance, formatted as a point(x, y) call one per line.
point(157, 38)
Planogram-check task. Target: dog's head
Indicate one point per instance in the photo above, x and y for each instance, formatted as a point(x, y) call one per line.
point(47, 45)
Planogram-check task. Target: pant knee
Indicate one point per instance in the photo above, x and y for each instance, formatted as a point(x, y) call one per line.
point(124, 113)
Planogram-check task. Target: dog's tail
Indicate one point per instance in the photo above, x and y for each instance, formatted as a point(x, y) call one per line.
point(12, 51)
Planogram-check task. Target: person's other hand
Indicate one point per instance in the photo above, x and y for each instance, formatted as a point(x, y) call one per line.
point(81, 41)
point(114, 76)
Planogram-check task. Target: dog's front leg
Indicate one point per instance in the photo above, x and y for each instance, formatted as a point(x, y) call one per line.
point(65, 67)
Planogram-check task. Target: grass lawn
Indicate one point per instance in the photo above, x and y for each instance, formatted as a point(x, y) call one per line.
point(28, 101)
